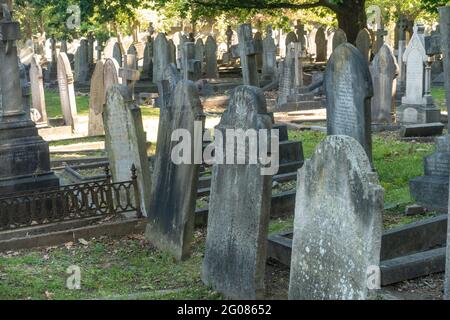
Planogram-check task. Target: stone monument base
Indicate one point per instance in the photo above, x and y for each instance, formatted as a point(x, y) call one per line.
point(416, 114)
point(431, 190)
point(28, 183)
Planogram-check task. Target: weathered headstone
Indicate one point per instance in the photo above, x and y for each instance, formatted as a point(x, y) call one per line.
point(37, 91)
point(247, 52)
point(147, 66)
point(67, 92)
point(321, 45)
point(384, 70)
point(52, 68)
point(174, 190)
point(348, 87)
point(190, 67)
point(200, 52)
point(301, 35)
point(257, 38)
point(377, 21)
point(96, 100)
point(401, 79)
point(117, 53)
point(91, 42)
point(172, 52)
point(129, 72)
point(81, 62)
point(338, 224)
point(417, 104)
point(235, 255)
point(161, 57)
point(211, 71)
point(339, 38)
point(269, 62)
point(125, 141)
point(364, 43)
point(291, 37)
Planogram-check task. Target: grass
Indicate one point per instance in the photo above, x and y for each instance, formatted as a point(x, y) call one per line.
point(53, 104)
point(439, 97)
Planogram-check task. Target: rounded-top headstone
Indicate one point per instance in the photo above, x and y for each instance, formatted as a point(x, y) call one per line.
point(339, 38)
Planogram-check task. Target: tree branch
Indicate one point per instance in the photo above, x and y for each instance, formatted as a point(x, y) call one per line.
point(262, 5)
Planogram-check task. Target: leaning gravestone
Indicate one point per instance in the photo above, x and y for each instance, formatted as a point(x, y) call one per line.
point(339, 38)
point(384, 70)
point(348, 87)
point(174, 191)
point(67, 92)
point(235, 255)
point(321, 45)
point(161, 56)
point(211, 71)
point(96, 100)
point(364, 43)
point(125, 141)
point(337, 226)
point(37, 91)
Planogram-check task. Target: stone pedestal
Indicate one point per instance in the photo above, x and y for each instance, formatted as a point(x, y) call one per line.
point(431, 190)
point(418, 114)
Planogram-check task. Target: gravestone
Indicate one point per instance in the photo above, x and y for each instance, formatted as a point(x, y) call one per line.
point(374, 13)
point(417, 104)
point(174, 191)
point(338, 224)
point(125, 141)
point(190, 67)
point(67, 92)
point(52, 67)
point(401, 79)
point(247, 52)
point(117, 53)
point(339, 38)
point(321, 45)
point(444, 14)
point(384, 70)
point(37, 92)
point(348, 87)
point(200, 53)
point(211, 71)
point(129, 73)
point(364, 43)
point(161, 56)
point(91, 47)
point(97, 100)
point(63, 47)
point(147, 67)
point(24, 155)
point(172, 52)
point(81, 62)
point(431, 190)
point(257, 38)
point(269, 63)
point(166, 86)
point(235, 255)
point(291, 37)
point(132, 50)
point(301, 35)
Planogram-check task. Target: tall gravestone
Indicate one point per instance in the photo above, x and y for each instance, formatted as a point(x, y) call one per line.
point(82, 62)
point(417, 104)
point(173, 196)
point(348, 87)
point(52, 67)
point(384, 70)
point(200, 53)
point(269, 62)
point(172, 52)
point(339, 38)
point(147, 67)
point(67, 92)
point(91, 47)
point(364, 43)
point(236, 242)
point(401, 79)
point(321, 45)
point(291, 37)
point(117, 53)
point(247, 52)
point(125, 141)
point(338, 224)
point(374, 13)
point(37, 92)
point(190, 67)
point(96, 100)
point(211, 70)
point(161, 56)
point(24, 155)
point(257, 38)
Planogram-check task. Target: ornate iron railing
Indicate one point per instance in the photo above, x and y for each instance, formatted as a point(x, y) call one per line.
point(71, 202)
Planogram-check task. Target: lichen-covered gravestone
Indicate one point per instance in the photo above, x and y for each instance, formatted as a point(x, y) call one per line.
point(348, 87)
point(125, 141)
point(384, 70)
point(239, 208)
point(321, 45)
point(364, 43)
point(174, 190)
point(96, 100)
point(67, 92)
point(337, 226)
point(339, 38)
point(211, 71)
point(37, 91)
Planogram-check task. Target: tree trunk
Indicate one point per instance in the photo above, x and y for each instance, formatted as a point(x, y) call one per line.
point(352, 18)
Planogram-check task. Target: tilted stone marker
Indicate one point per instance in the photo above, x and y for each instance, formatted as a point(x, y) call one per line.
point(161, 56)
point(211, 70)
point(125, 141)
point(269, 61)
point(247, 52)
point(338, 224)
point(37, 91)
point(321, 45)
point(348, 87)
point(235, 255)
point(384, 70)
point(67, 92)
point(96, 100)
point(339, 38)
point(174, 191)
point(364, 43)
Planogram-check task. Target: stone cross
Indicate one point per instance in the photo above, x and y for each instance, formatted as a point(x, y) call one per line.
point(190, 67)
point(301, 34)
point(248, 50)
point(129, 74)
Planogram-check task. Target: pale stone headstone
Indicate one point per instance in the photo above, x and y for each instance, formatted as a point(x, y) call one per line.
point(67, 92)
point(339, 38)
point(337, 226)
point(235, 256)
point(96, 100)
point(247, 52)
point(384, 70)
point(364, 43)
point(200, 52)
point(125, 141)
point(269, 55)
point(37, 91)
point(81, 62)
point(174, 190)
point(211, 71)
point(376, 19)
point(161, 56)
point(348, 87)
point(321, 45)
point(110, 76)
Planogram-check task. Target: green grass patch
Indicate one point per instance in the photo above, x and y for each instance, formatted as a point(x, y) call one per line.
point(53, 104)
point(439, 97)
